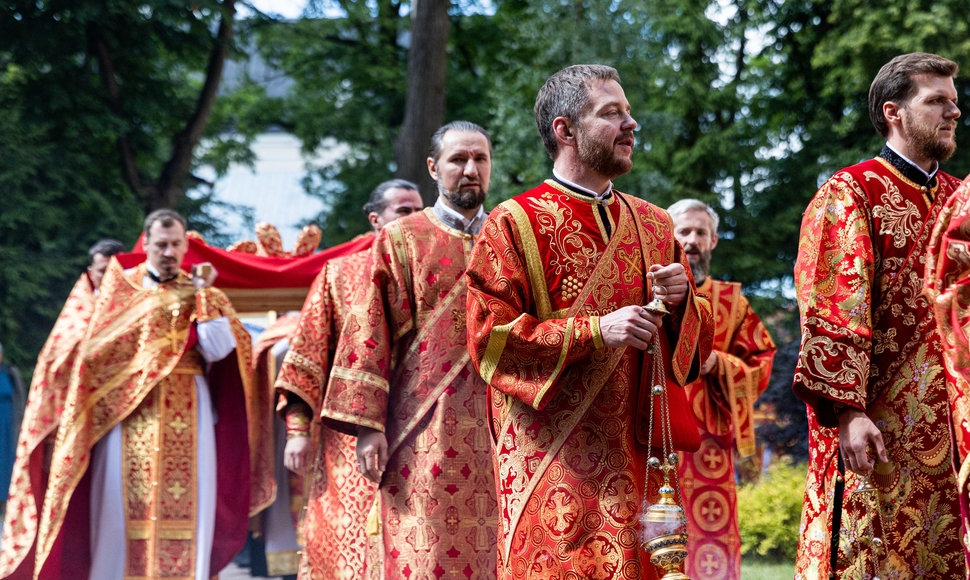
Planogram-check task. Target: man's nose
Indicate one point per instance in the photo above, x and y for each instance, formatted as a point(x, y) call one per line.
point(953, 112)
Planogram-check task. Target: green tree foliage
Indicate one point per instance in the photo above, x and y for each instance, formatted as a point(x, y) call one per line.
point(103, 103)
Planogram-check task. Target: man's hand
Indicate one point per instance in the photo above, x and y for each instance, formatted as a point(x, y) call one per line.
point(296, 454)
point(371, 453)
point(856, 433)
point(709, 364)
point(630, 326)
point(670, 283)
point(204, 274)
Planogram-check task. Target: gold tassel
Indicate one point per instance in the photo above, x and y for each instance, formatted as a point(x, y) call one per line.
point(373, 524)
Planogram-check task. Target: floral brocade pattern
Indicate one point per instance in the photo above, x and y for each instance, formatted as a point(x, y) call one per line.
point(570, 463)
point(723, 403)
point(868, 341)
point(45, 404)
point(402, 367)
point(948, 287)
point(338, 496)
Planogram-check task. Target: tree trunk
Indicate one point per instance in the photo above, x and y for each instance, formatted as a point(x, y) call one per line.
point(424, 110)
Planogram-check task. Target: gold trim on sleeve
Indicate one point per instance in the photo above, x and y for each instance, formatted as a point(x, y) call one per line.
point(566, 342)
point(361, 377)
point(594, 329)
point(496, 345)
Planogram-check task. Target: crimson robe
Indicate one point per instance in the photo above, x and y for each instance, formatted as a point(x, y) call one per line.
point(723, 404)
point(869, 342)
point(135, 367)
point(948, 289)
point(569, 417)
point(402, 367)
point(45, 403)
point(339, 498)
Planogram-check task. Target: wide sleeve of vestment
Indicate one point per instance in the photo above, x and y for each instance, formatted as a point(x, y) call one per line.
point(305, 365)
point(834, 275)
point(514, 349)
point(741, 373)
point(379, 314)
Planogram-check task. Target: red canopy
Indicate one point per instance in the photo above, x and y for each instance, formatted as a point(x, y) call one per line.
point(258, 283)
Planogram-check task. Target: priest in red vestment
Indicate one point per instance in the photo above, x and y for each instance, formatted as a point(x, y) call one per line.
point(403, 382)
point(871, 363)
point(722, 399)
point(948, 289)
point(556, 327)
point(144, 481)
point(45, 400)
point(338, 496)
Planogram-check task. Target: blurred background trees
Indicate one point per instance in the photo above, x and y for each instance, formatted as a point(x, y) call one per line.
point(109, 110)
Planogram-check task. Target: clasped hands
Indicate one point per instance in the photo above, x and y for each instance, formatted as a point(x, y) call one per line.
point(635, 325)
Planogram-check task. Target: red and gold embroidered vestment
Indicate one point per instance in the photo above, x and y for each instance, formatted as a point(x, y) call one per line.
point(402, 367)
point(45, 403)
point(569, 417)
point(723, 404)
point(948, 288)
point(338, 496)
point(869, 341)
point(135, 368)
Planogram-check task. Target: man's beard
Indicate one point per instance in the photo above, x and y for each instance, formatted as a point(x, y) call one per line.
point(600, 157)
point(464, 199)
point(700, 266)
point(926, 141)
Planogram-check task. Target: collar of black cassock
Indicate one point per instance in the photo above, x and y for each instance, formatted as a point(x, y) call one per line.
point(909, 171)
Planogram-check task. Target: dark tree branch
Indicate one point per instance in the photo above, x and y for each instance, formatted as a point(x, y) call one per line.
point(172, 180)
point(106, 68)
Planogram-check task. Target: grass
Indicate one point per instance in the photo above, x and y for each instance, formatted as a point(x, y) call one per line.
point(752, 569)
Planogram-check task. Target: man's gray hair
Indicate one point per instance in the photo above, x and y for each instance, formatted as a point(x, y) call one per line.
point(566, 94)
point(377, 202)
point(690, 204)
point(434, 150)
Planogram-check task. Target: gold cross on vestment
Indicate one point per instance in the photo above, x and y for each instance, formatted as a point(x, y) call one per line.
point(173, 339)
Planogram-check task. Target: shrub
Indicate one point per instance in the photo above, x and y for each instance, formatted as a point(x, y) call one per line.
point(769, 512)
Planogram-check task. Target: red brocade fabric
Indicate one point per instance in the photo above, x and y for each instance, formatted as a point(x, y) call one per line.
point(45, 404)
point(402, 367)
point(948, 288)
point(129, 371)
point(569, 417)
point(336, 545)
point(723, 404)
point(869, 341)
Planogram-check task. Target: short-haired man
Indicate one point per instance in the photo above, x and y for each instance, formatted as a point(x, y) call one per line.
point(339, 497)
point(48, 385)
point(140, 464)
point(98, 257)
point(722, 398)
point(870, 367)
point(557, 328)
point(402, 380)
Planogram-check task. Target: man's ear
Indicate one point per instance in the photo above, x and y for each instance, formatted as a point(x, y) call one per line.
point(563, 129)
point(890, 111)
point(433, 169)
